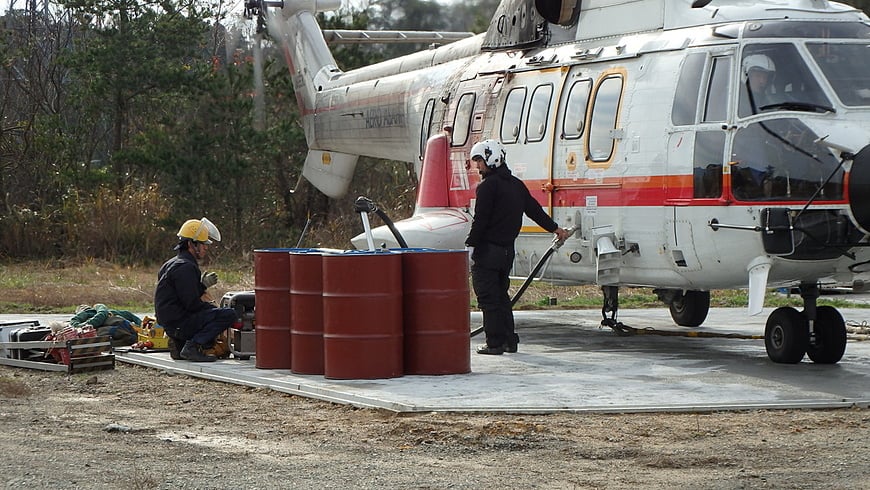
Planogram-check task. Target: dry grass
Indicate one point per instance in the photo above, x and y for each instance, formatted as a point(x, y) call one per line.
point(59, 286)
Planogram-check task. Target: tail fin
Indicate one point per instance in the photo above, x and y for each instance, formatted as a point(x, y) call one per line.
point(433, 189)
point(311, 65)
point(308, 58)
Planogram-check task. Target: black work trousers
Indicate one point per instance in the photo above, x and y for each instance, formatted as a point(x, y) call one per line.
point(490, 278)
point(203, 327)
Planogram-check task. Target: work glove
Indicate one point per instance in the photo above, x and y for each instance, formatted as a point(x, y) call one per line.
point(208, 279)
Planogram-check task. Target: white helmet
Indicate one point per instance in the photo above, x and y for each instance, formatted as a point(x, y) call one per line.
point(758, 62)
point(491, 151)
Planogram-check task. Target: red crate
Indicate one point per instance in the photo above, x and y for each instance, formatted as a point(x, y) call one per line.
point(61, 354)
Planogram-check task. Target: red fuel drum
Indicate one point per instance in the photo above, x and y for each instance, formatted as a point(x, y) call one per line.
point(306, 312)
point(437, 312)
point(362, 315)
point(272, 308)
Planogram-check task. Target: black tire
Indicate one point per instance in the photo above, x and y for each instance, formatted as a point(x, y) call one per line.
point(786, 336)
point(830, 329)
point(691, 308)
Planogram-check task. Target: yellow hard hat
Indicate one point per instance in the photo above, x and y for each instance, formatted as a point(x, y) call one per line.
point(199, 230)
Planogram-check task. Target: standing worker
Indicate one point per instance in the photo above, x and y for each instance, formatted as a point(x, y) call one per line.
point(186, 317)
point(502, 199)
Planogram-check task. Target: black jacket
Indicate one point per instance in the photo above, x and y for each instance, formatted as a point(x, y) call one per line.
point(179, 291)
point(502, 199)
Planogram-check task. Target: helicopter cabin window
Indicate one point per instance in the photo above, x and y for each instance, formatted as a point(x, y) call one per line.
point(539, 111)
point(716, 108)
point(688, 86)
point(462, 121)
point(849, 78)
point(603, 122)
point(512, 115)
point(782, 160)
point(709, 152)
point(774, 77)
point(425, 127)
point(575, 110)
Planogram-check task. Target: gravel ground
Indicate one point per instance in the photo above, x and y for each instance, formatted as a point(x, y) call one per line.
point(140, 428)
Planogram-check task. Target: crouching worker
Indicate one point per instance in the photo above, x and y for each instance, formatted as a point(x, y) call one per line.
point(191, 323)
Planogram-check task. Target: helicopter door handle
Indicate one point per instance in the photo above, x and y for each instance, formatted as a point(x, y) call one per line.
point(716, 226)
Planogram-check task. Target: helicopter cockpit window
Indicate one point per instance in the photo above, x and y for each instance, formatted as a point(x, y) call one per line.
point(462, 121)
point(774, 77)
point(512, 115)
point(425, 126)
point(539, 110)
point(688, 86)
point(716, 108)
point(709, 151)
point(847, 68)
point(779, 160)
point(575, 110)
point(808, 29)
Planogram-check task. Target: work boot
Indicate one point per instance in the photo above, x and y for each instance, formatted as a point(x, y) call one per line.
point(193, 353)
point(511, 345)
point(174, 350)
point(492, 351)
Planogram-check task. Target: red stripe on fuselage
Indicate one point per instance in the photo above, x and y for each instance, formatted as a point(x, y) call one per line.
point(667, 190)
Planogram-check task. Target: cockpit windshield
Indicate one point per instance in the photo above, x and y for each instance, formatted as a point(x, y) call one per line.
point(847, 69)
point(774, 77)
point(782, 160)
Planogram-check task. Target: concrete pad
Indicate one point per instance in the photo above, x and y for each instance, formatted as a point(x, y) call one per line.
point(568, 363)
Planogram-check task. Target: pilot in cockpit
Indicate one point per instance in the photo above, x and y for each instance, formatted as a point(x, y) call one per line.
point(760, 72)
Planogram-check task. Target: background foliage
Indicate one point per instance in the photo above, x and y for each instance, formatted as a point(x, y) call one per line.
point(119, 119)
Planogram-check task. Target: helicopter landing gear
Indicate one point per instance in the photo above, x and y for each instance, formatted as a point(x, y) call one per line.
point(818, 332)
point(830, 341)
point(688, 308)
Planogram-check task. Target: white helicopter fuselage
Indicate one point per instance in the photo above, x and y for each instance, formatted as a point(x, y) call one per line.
point(637, 125)
point(589, 125)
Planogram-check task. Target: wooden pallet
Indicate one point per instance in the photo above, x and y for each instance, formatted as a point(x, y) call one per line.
point(80, 355)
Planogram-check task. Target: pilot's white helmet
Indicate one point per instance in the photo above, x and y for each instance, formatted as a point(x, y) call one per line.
point(758, 62)
point(491, 151)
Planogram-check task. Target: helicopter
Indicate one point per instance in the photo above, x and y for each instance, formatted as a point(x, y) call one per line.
point(690, 145)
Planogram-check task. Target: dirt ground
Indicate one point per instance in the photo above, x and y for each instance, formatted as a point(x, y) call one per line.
point(140, 428)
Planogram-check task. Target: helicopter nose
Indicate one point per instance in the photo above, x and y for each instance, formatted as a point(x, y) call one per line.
point(859, 188)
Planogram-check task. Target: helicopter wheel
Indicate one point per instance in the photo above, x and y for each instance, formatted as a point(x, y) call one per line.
point(786, 336)
point(830, 330)
point(690, 309)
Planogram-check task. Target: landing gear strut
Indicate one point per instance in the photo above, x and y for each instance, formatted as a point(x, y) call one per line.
point(817, 331)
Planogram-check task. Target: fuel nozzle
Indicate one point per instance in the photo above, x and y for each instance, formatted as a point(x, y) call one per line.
point(570, 232)
point(364, 205)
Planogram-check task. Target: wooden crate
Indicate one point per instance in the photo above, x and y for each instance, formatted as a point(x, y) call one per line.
point(77, 355)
